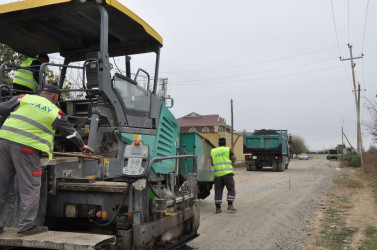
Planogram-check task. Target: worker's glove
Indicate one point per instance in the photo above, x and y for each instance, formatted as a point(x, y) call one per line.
point(86, 149)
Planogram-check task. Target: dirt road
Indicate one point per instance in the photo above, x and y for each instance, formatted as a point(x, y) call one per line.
point(274, 209)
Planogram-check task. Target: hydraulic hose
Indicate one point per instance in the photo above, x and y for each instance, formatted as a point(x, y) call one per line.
point(117, 212)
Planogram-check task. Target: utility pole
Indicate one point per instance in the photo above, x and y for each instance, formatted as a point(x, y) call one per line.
point(342, 141)
point(358, 119)
point(357, 101)
point(348, 142)
point(360, 145)
point(231, 111)
point(163, 90)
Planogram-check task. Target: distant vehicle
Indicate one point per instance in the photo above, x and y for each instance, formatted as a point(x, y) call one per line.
point(267, 148)
point(332, 155)
point(303, 156)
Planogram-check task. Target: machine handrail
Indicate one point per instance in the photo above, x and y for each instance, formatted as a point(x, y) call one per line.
point(158, 159)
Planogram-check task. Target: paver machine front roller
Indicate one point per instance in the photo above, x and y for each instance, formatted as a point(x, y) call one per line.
point(131, 193)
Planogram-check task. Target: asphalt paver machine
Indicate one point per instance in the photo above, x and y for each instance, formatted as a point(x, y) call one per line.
point(130, 194)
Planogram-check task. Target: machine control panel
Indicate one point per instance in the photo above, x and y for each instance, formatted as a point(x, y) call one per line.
point(136, 159)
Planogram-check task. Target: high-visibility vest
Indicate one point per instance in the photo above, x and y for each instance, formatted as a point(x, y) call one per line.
point(221, 161)
point(31, 124)
point(25, 77)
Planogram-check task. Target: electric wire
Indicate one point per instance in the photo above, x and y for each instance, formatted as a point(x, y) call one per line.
point(248, 64)
point(348, 21)
point(254, 73)
point(362, 45)
point(116, 65)
point(365, 25)
point(254, 79)
point(336, 31)
point(337, 41)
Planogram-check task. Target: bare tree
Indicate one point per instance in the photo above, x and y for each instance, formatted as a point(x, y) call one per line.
point(372, 125)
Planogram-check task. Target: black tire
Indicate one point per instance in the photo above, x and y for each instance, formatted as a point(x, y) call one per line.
point(279, 167)
point(253, 167)
point(204, 189)
point(286, 166)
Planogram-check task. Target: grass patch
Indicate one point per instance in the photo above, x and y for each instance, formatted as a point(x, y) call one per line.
point(371, 242)
point(335, 234)
point(352, 183)
point(370, 231)
point(347, 181)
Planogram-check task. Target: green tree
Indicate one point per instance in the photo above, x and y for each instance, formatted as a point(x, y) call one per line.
point(340, 148)
point(9, 56)
point(298, 145)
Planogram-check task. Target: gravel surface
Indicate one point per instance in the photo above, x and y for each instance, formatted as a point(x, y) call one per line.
point(274, 209)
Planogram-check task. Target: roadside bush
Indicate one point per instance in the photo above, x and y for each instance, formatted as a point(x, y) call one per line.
point(352, 160)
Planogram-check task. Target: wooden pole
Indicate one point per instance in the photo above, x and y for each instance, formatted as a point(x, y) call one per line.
point(78, 155)
point(231, 110)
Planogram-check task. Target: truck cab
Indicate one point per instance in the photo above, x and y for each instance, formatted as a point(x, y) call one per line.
point(332, 154)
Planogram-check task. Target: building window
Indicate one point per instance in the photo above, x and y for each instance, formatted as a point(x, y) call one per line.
point(192, 130)
point(205, 130)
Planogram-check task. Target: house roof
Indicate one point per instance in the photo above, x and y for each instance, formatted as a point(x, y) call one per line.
point(195, 119)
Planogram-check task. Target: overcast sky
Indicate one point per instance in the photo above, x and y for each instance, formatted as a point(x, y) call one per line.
point(277, 60)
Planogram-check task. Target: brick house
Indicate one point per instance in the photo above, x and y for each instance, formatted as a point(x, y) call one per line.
point(212, 127)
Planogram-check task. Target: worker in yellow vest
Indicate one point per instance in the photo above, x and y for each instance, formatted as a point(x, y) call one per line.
point(28, 131)
point(222, 159)
point(27, 77)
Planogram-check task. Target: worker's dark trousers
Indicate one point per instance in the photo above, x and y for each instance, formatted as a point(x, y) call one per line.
point(16, 158)
point(220, 182)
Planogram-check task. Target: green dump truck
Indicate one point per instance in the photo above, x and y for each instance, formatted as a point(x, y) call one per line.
point(196, 144)
point(267, 148)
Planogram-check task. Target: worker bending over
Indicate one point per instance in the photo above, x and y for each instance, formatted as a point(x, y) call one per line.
point(28, 131)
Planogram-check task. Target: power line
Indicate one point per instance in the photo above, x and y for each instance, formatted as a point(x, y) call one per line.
point(362, 46)
point(254, 73)
point(336, 32)
point(255, 79)
point(362, 70)
point(349, 21)
point(365, 25)
point(337, 42)
point(248, 64)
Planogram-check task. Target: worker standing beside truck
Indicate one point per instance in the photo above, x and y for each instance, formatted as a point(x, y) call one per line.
point(28, 131)
point(27, 79)
point(222, 159)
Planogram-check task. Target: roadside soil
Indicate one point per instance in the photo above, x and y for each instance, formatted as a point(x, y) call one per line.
point(275, 209)
point(346, 213)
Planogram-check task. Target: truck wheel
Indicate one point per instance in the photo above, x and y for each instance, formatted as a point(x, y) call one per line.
point(280, 167)
point(248, 167)
point(286, 166)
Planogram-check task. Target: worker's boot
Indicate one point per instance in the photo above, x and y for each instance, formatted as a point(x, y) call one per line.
point(218, 211)
point(231, 209)
point(34, 230)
